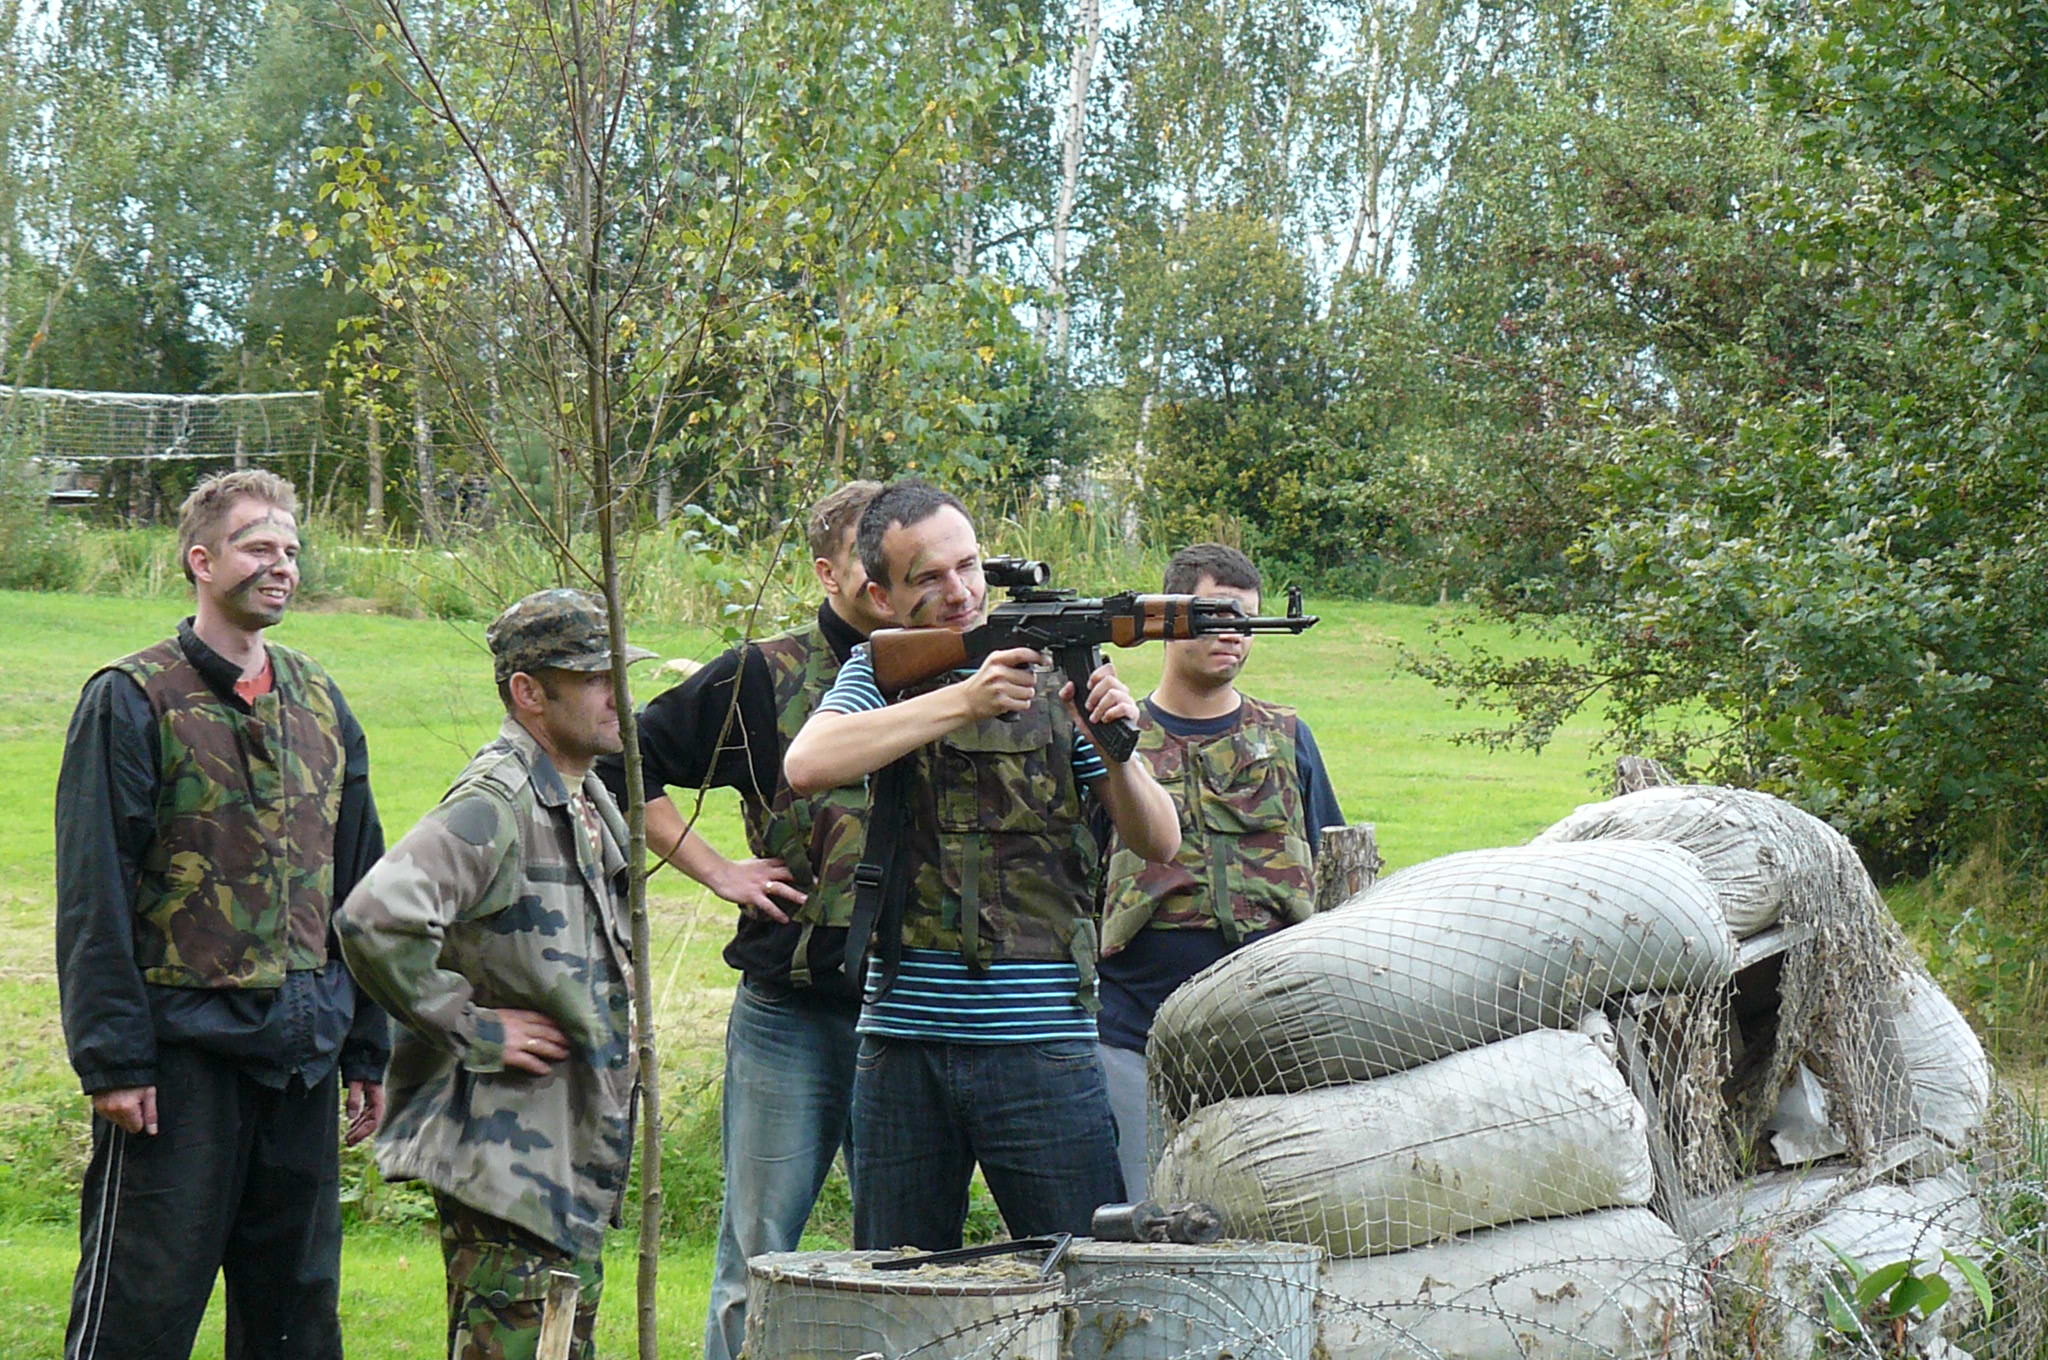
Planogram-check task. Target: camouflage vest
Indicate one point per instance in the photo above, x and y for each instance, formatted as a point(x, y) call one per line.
point(1003, 864)
point(1244, 863)
point(236, 889)
point(820, 837)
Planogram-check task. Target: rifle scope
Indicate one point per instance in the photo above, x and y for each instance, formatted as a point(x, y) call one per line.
point(1013, 573)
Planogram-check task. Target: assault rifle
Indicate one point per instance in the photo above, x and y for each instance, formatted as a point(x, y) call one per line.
point(1069, 628)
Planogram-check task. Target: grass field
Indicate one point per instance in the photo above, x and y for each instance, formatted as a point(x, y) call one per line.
point(422, 691)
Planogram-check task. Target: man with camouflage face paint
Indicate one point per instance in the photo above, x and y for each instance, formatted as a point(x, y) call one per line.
point(214, 801)
point(496, 933)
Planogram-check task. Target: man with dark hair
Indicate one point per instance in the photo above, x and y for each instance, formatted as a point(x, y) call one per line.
point(978, 1044)
point(789, 1041)
point(496, 933)
point(1249, 786)
point(213, 804)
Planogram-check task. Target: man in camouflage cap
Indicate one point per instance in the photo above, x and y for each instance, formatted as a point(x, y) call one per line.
point(1249, 784)
point(213, 803)
point(988, 1024)
point(496, 933)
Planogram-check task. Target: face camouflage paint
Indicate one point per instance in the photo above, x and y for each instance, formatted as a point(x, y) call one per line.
point(243, 586)
point(270, 521)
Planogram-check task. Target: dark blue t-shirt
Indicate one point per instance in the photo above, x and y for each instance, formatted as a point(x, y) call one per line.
point(1137, 979)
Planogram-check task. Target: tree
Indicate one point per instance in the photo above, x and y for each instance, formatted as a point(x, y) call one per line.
point(1807, 549)
point(152, 150)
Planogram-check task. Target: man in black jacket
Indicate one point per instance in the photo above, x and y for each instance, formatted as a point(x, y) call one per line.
point(213, 805)
point(789, 1043)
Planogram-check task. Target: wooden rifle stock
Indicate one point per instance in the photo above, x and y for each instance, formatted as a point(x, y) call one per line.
point(1155, 618)
point(909, 656)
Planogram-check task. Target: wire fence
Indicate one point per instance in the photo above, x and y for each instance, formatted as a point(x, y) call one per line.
point(1667, 1081)
point(133, 451)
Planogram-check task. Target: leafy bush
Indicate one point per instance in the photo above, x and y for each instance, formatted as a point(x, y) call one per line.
point(696, 570)
point(42, 548)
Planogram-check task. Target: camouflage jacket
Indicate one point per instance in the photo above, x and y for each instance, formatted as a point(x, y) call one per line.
point(1003, 861)
point(499, 898)
point(236, 887)
point(1244, 864)
point(818, 837)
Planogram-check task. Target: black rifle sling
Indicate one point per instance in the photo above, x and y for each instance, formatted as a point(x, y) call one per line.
point(880, 882)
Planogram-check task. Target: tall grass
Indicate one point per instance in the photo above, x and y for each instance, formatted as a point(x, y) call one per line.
point(1982, 924)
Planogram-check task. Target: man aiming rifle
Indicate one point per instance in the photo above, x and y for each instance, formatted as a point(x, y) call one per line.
point(984, 1050)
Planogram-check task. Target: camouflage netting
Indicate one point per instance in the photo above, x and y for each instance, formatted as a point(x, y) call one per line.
point(1829, 1002)
point(1618, 1283)
point(1533, 1126)
point(1633, 1090)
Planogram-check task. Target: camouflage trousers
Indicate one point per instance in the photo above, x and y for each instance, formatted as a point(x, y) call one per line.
point(498, 1283)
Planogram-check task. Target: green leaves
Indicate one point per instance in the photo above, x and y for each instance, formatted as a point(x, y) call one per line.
point(1861, 1300)
point(1763, 349)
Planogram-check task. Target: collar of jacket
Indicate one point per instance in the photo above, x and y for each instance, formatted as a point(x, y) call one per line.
point(548, 785)
point(840, 635)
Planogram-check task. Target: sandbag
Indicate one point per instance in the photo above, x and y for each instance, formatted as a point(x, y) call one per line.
point(1757, 851)
point(1535, 1126)
point(1444, 956)
point(1773, 1236)
point(1613, 1285)
point(1951, 1077)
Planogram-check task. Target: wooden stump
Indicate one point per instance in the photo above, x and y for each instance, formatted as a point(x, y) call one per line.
point(1347, 863)
point(558, 1316)
point(1633, 774)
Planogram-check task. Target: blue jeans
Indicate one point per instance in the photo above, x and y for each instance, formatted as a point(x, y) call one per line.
point(788, 1098)
point(1125, 1074)
point(1035, 1116)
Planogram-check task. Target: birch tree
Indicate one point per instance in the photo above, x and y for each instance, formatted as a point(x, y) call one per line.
point(1087, 44)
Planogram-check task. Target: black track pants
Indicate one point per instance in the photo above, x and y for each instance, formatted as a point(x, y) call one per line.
point(240, 1179)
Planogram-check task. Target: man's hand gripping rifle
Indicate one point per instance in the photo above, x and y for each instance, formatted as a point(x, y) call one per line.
point(1069, 629)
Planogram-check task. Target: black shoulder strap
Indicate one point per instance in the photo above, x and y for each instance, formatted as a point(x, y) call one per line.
point(880, 883)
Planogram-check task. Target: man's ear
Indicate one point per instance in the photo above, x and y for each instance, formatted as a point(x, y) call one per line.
point(828, 575)
point(199, 562)
point(527, 694)
point(879, 598)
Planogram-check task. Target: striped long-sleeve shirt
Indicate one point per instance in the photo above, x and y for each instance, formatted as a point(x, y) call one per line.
point(936, 996)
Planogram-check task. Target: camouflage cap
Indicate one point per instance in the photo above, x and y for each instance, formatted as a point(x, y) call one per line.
point(562, 629)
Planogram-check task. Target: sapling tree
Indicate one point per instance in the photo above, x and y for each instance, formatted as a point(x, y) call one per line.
point(620, 239)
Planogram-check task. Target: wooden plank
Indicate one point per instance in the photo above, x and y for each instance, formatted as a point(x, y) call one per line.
point(1766, 943)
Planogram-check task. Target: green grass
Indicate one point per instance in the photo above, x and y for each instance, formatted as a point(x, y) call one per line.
point(391, 1296)
point(421, 689)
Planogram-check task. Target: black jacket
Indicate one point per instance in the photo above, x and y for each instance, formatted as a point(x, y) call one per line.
point(696, 735)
